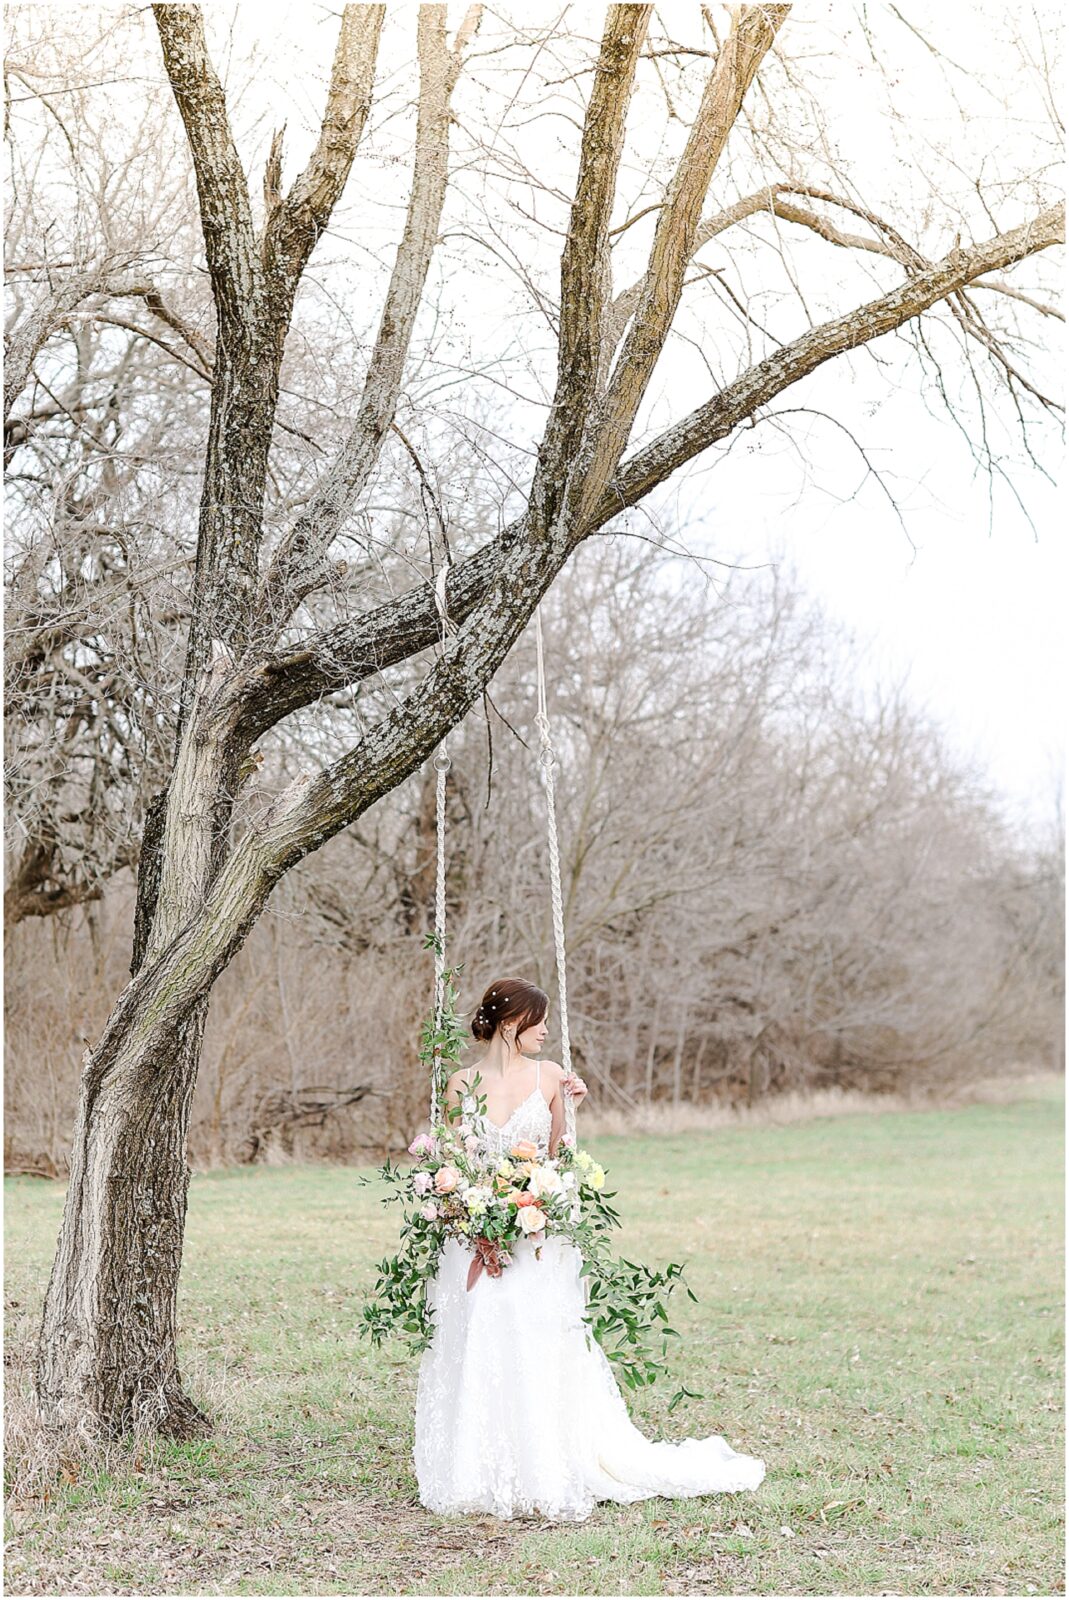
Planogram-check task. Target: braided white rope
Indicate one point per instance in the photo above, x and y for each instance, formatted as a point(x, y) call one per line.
point(441, 767)
point(545, 758)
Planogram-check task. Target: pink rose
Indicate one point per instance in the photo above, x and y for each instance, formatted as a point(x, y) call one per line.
point(422, 1182)
point(429, 1212)
point(532, 1219)
point(422, 1145)
point(446, 1180)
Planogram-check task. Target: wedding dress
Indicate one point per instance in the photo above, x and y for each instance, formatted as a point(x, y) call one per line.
point(517, 1408)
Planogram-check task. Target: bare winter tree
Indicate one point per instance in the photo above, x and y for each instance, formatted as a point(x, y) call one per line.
point(209, 860)
point(105, 378)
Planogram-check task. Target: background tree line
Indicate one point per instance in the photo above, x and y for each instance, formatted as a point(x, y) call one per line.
point(772, 881)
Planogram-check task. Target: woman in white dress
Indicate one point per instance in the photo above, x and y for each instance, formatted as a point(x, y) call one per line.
point(517, 1409)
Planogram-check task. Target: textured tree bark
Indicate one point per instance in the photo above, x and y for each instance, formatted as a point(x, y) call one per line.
point(108, 1350)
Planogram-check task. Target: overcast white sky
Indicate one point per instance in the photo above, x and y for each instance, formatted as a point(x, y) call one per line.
point(973, 611)
point(977, 621)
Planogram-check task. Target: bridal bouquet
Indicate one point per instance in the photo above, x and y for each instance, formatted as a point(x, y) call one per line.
point(488, 1201)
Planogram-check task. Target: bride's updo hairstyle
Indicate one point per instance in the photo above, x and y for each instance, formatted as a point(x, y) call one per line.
point(509, 1000)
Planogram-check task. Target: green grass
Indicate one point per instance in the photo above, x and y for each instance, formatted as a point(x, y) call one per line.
point(880, 1318)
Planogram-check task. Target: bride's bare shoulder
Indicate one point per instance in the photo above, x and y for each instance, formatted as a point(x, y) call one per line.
point(554, 1069)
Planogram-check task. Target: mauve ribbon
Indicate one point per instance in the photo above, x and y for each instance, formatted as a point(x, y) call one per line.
point(485, 1256)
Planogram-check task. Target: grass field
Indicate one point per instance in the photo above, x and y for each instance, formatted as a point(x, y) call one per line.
point(880, 1318)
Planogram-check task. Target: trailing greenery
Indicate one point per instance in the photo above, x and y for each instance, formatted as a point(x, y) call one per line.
point(442, 1039)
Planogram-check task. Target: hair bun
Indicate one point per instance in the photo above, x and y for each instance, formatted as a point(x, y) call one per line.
point(511, 1002)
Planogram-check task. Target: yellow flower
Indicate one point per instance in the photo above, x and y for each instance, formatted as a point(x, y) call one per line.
point(596, 1177)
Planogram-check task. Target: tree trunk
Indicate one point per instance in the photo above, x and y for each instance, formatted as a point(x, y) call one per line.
point(108, 1345)
point(108, 1350)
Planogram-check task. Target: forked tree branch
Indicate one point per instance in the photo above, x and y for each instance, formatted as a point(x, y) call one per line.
point(253, 285)
point(299, 565)
point(293, 224)
point(768, 378)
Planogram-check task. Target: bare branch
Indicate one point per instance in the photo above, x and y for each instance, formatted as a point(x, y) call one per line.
point(31, 334)
point(770, 377)
point(292, 225)
point(1041, 306)
point(299, 564)
point(674, 238)
point(226, 216)
point(585, 259)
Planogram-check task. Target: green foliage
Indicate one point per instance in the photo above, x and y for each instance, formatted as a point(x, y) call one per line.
point(441, 1040)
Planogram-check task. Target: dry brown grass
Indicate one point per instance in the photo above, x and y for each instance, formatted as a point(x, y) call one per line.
point(808, 1105)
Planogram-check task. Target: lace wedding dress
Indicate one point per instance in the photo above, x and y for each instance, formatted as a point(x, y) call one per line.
point(517, 1408)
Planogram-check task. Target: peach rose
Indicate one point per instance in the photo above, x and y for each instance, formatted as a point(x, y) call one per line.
point(532, 1219)
point(521, 1198)
point(525, 1150)
point(446, 1180)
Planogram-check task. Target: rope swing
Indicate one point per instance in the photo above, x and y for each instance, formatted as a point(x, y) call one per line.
point(546, 761)
point(442, 764)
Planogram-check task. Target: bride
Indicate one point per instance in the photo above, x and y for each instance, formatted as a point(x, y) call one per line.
point(517, 1408)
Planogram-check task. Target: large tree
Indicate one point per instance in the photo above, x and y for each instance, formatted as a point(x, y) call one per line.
point(255, 656)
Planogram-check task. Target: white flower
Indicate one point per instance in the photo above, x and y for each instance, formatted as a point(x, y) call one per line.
point(476, 1198)
point(543, 1181)
point(532, 1219)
